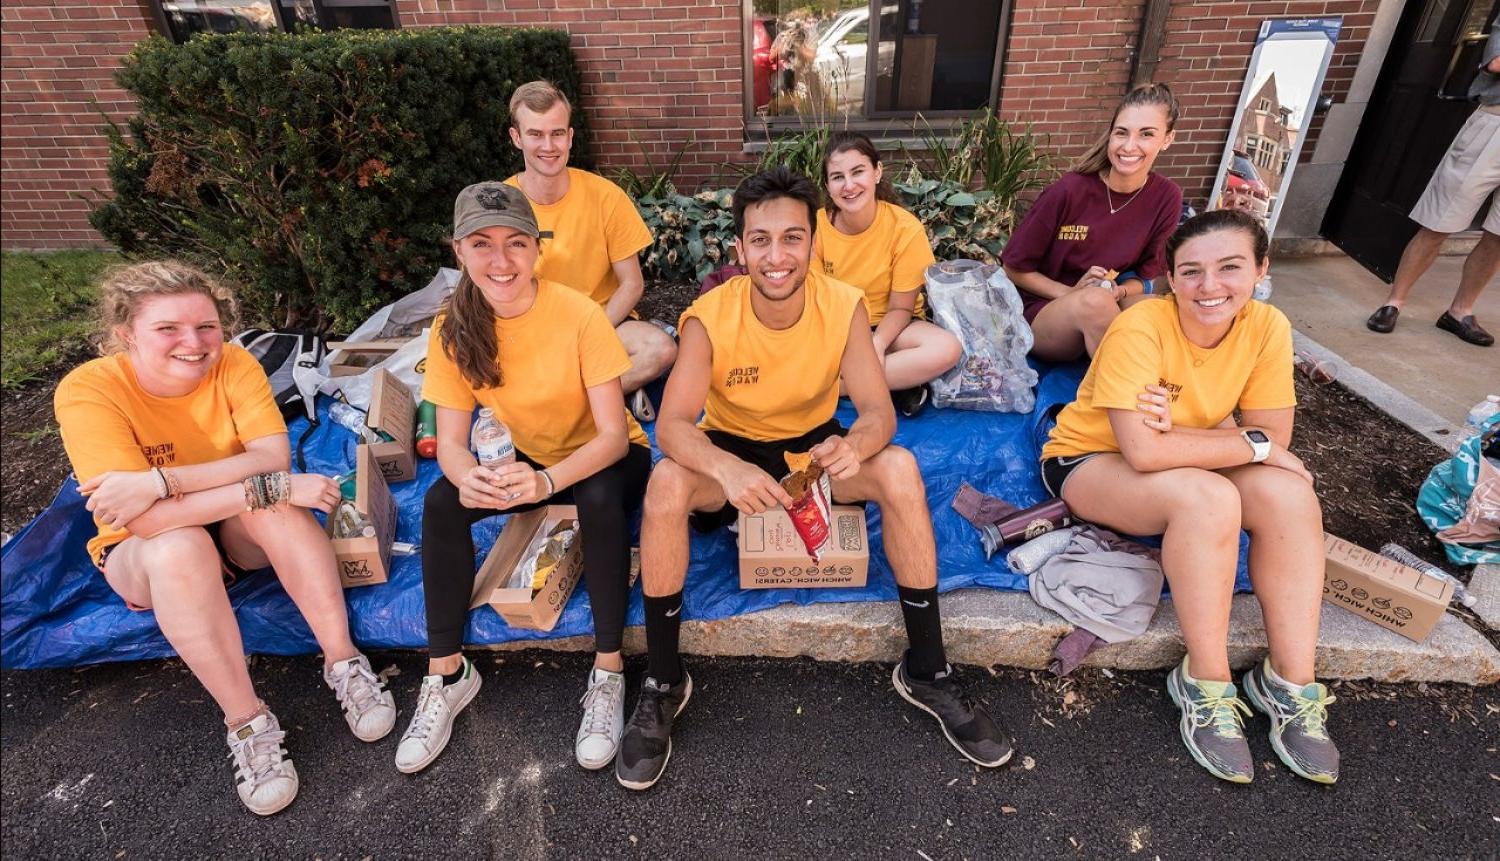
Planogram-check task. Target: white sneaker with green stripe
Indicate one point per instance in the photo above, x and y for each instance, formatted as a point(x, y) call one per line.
point(1299, 724)
point(1212, 725)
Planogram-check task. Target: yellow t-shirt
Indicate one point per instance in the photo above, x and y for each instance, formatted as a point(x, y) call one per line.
point(109, 423)
point(769, 384)
point(593, 225)
point(891, 254)
point(549, 357)
point(1250, 369)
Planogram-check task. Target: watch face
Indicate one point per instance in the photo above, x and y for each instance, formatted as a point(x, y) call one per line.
point(1257, 437)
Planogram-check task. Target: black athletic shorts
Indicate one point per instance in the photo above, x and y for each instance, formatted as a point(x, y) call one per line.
point(766, 455)
point(1055, 471)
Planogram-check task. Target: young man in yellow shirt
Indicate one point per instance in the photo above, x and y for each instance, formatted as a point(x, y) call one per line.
point(761, 359)
point(591, 232)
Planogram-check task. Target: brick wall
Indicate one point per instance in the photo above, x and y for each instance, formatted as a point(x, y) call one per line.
point(1070, 60)
point(664, 72)
point(56, 62)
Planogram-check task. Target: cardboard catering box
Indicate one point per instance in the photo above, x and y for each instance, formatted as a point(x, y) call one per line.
point(520, 606)
point(393, 410)
point(347, 358)
point(1383, 590)
point(772, 554)
point(366, 561)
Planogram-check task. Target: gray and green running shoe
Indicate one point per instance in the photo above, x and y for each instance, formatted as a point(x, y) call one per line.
point(1212, 726)
point(1299, 728)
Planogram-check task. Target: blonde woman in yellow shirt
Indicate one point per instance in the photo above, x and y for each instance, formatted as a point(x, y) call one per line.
point(867, 239)
point(183, 455)
point(1151, 446)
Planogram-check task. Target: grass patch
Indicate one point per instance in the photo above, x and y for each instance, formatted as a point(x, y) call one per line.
point(47, 310)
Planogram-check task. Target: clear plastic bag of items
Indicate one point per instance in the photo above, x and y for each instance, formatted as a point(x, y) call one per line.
point(546, 550)
point(980, 306)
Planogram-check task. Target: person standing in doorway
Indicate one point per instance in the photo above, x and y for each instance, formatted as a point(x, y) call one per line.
point(591, 233)
point(1468, 175)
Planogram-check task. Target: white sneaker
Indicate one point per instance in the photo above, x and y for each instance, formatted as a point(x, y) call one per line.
point(603, 719)
point(369, 708)
point(267, 780)
point(432, 723)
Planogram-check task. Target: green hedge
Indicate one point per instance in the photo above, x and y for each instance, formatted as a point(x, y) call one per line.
point(318, 170)
point(693, 233)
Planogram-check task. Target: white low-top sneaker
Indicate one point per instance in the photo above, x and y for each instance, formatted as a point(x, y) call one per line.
point(369, 708)
point(603, 719)
point(266, 778)
point(432, 722)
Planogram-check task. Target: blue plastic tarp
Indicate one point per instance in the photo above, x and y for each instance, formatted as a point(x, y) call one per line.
point(57, 611)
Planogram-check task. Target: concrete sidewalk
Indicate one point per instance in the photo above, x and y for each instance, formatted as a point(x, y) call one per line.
point(1329, 297)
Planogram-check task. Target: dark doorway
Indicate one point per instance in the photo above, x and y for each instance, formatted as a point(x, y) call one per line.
point(1419, 104)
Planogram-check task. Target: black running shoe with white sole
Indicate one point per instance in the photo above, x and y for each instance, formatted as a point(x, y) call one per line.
point(647, 744)
point(967, 724)
point(911, 402)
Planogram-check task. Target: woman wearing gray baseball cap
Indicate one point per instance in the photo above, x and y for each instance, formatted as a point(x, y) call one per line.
point(544, 358)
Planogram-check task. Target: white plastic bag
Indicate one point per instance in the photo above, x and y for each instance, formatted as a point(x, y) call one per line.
point(411, 313)
point(980, 306)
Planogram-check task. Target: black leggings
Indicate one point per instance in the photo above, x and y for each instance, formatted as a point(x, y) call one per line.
point(605, 501)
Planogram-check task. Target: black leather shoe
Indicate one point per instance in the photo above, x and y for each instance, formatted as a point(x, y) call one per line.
point(1383, 320)
point(1468, 329)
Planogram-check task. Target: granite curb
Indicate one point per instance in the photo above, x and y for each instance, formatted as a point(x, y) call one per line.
point(987, 627)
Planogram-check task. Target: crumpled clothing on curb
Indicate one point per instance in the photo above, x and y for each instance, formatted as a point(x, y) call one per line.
point(1109, 592)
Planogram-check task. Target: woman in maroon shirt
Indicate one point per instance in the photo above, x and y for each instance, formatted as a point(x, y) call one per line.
point(1104, 224)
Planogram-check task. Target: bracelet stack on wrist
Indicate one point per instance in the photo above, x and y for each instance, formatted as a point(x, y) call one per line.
point(163, 490)
point(267, 490)
point(551, 487)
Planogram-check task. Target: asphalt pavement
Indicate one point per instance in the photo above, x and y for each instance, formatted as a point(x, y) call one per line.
point(771, 759)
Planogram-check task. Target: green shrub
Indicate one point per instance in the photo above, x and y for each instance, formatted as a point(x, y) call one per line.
point(318, 170)
point(693, 234)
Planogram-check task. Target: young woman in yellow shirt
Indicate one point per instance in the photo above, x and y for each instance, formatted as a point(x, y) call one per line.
point(182, 453)
point(1152, 446)
point(865, 238)
point(545, 359)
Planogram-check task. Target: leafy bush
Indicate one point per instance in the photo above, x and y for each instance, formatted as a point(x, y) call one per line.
point(985, 151)
point(693, 234)
point(318, 170)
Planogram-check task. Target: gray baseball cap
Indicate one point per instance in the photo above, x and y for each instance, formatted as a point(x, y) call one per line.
point(492, 204)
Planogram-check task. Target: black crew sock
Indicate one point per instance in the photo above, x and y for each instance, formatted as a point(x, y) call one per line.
point(663, 623)
point(924, 632)
point(457, 675)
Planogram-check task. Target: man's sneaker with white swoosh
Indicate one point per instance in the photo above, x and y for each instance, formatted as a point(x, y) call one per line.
point(966, 723)
point(647, 744)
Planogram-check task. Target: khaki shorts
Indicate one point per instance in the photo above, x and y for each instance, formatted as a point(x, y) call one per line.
point(1468, 175)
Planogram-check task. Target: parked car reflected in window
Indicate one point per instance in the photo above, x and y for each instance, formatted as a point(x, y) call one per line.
point(1243, 187)
point(859, 61)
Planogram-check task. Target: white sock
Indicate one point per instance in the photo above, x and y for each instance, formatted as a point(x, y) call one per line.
point(1276, 679)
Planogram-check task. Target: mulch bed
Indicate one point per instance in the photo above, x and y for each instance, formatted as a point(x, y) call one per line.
point(1368, 466)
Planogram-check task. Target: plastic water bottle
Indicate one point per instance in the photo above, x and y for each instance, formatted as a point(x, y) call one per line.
point(1262, 292)
point(491, 441)
point(1397, 553)
point(351, 418)
point(1480, 414)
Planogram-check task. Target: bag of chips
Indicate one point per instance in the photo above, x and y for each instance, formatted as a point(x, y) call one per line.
point(812, 502)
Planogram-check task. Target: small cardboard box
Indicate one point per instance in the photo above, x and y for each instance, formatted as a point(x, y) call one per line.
point(366, 561)
point(773, 556)
point(393, 410)
point(1383, 590)
point(519, 607)
point(348, 358)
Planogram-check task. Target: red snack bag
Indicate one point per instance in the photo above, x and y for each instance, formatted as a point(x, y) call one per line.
point(811, 508)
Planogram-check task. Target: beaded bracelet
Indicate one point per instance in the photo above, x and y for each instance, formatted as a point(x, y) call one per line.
point(174, 485)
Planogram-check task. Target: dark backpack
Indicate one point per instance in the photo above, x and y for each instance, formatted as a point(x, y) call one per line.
point(290, 360)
